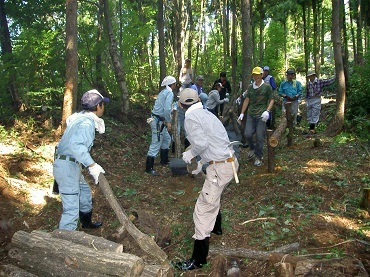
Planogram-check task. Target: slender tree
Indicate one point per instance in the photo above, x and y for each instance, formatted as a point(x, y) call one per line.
point(336, 124)
point(160, 26)
point(246, 46)
point(7, 57)
point(70, 87)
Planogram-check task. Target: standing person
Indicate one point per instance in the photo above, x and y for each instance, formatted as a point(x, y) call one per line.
point(225, 91)
point(259, 100)
point(73, 150)
point(314, 91)
point(214, 99)
point(267, 78)
point(186, 75)
point(291, 91)
point(270, 80)
point(160, 124)
point(198, 86)
point(209, 140)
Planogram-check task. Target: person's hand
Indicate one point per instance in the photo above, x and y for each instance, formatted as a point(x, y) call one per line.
point(199, 168)
point(238, 101)
point(265, 116)
point(187, 156)
point(169, 127)
point(95, 171)
point(226, 100)
point(227, 94)
point(241, 116)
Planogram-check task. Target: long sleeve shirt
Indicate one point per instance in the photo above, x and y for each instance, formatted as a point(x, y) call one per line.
point(315, 88)
point(163, 104)
point(290, 89)
point(214, 99)
point(206, 134)
point(78, 138)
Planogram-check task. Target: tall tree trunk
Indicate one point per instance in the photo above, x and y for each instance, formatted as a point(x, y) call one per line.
point(343, 28)
point(234, 49)
point(117, 65)
point(316, 37)
point(191, 28)
point(70, 87)
point(200, 34)
point(162, 58)
point(322, 34)
point(360, 56)
point(336, 124)
point(353, 33)
point(261, 27)
point(178, 32)
point(246, 39)
point(7, 57)
point(98, 62)
point(305, 37)
point(285, 46)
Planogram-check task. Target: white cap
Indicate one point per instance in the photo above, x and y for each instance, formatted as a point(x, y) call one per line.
point(168, 80)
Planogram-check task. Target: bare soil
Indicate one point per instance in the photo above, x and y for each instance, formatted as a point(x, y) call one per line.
point(312, 198)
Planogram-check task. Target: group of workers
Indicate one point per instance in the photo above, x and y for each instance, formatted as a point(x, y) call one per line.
point(204, 132)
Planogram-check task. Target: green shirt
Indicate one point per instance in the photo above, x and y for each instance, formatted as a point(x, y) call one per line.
point(259, 99)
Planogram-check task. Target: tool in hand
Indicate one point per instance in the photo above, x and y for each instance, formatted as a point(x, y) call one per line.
point(233, 162)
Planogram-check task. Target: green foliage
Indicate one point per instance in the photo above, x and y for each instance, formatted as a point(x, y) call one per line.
point(274, 52)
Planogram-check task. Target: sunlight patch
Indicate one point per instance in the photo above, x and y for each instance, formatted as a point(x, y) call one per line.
point(6, 149)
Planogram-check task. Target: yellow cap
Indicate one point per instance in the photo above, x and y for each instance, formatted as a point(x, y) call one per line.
point(257, 70)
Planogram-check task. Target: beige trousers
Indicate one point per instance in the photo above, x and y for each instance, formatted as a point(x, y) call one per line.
point(206, 209)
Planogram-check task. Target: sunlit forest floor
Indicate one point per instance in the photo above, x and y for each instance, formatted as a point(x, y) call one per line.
point(313, 198)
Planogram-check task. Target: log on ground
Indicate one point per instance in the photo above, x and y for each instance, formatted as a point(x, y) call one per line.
point(42, 264)
point(86, 258)
point(279, 131)
point(145, 242)
point(252, 254)
point(98, 243)
point(157, 271)
point(14, 271)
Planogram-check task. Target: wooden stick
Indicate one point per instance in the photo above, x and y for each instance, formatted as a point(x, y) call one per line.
point(258, 219)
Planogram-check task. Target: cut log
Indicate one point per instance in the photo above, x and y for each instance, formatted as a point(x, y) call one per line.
point(218, 266)
point(79, 256)
point(342, 267)
point(157, 271)
point(270, 154)
point(14, 271)
point(277, 257)
point(252, 254)
point(279, 131)
point(145, 242)
point(284, 270)
point(98, 243)
point(41, 264)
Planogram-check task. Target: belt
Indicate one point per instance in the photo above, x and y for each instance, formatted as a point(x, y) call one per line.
point(66, 158)
point(229, 160)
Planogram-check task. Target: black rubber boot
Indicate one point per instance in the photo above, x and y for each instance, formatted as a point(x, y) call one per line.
point(199, 257)
point(149, 166)
point(217, 228)
point(85, 219)
point(164, 157)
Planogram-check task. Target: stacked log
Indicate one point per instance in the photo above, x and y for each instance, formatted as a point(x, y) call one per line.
point(72, 253)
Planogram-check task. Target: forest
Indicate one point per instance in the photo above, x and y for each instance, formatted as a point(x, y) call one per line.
point(53, 51)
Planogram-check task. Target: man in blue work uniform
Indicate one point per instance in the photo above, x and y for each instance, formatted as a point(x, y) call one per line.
point(73, 151)
point(160, 124)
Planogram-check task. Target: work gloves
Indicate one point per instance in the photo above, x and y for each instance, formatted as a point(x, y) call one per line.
point(241, 116)
point(238, 101)
point(199, 168)
point(95, 171)
point(187, 156)
point(265, 116)
point(226, 100)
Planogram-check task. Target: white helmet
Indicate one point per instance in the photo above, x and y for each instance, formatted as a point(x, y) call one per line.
point(168, 80)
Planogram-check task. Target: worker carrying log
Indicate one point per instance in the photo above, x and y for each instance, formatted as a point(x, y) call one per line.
point(209, 140)
point(73, 151)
